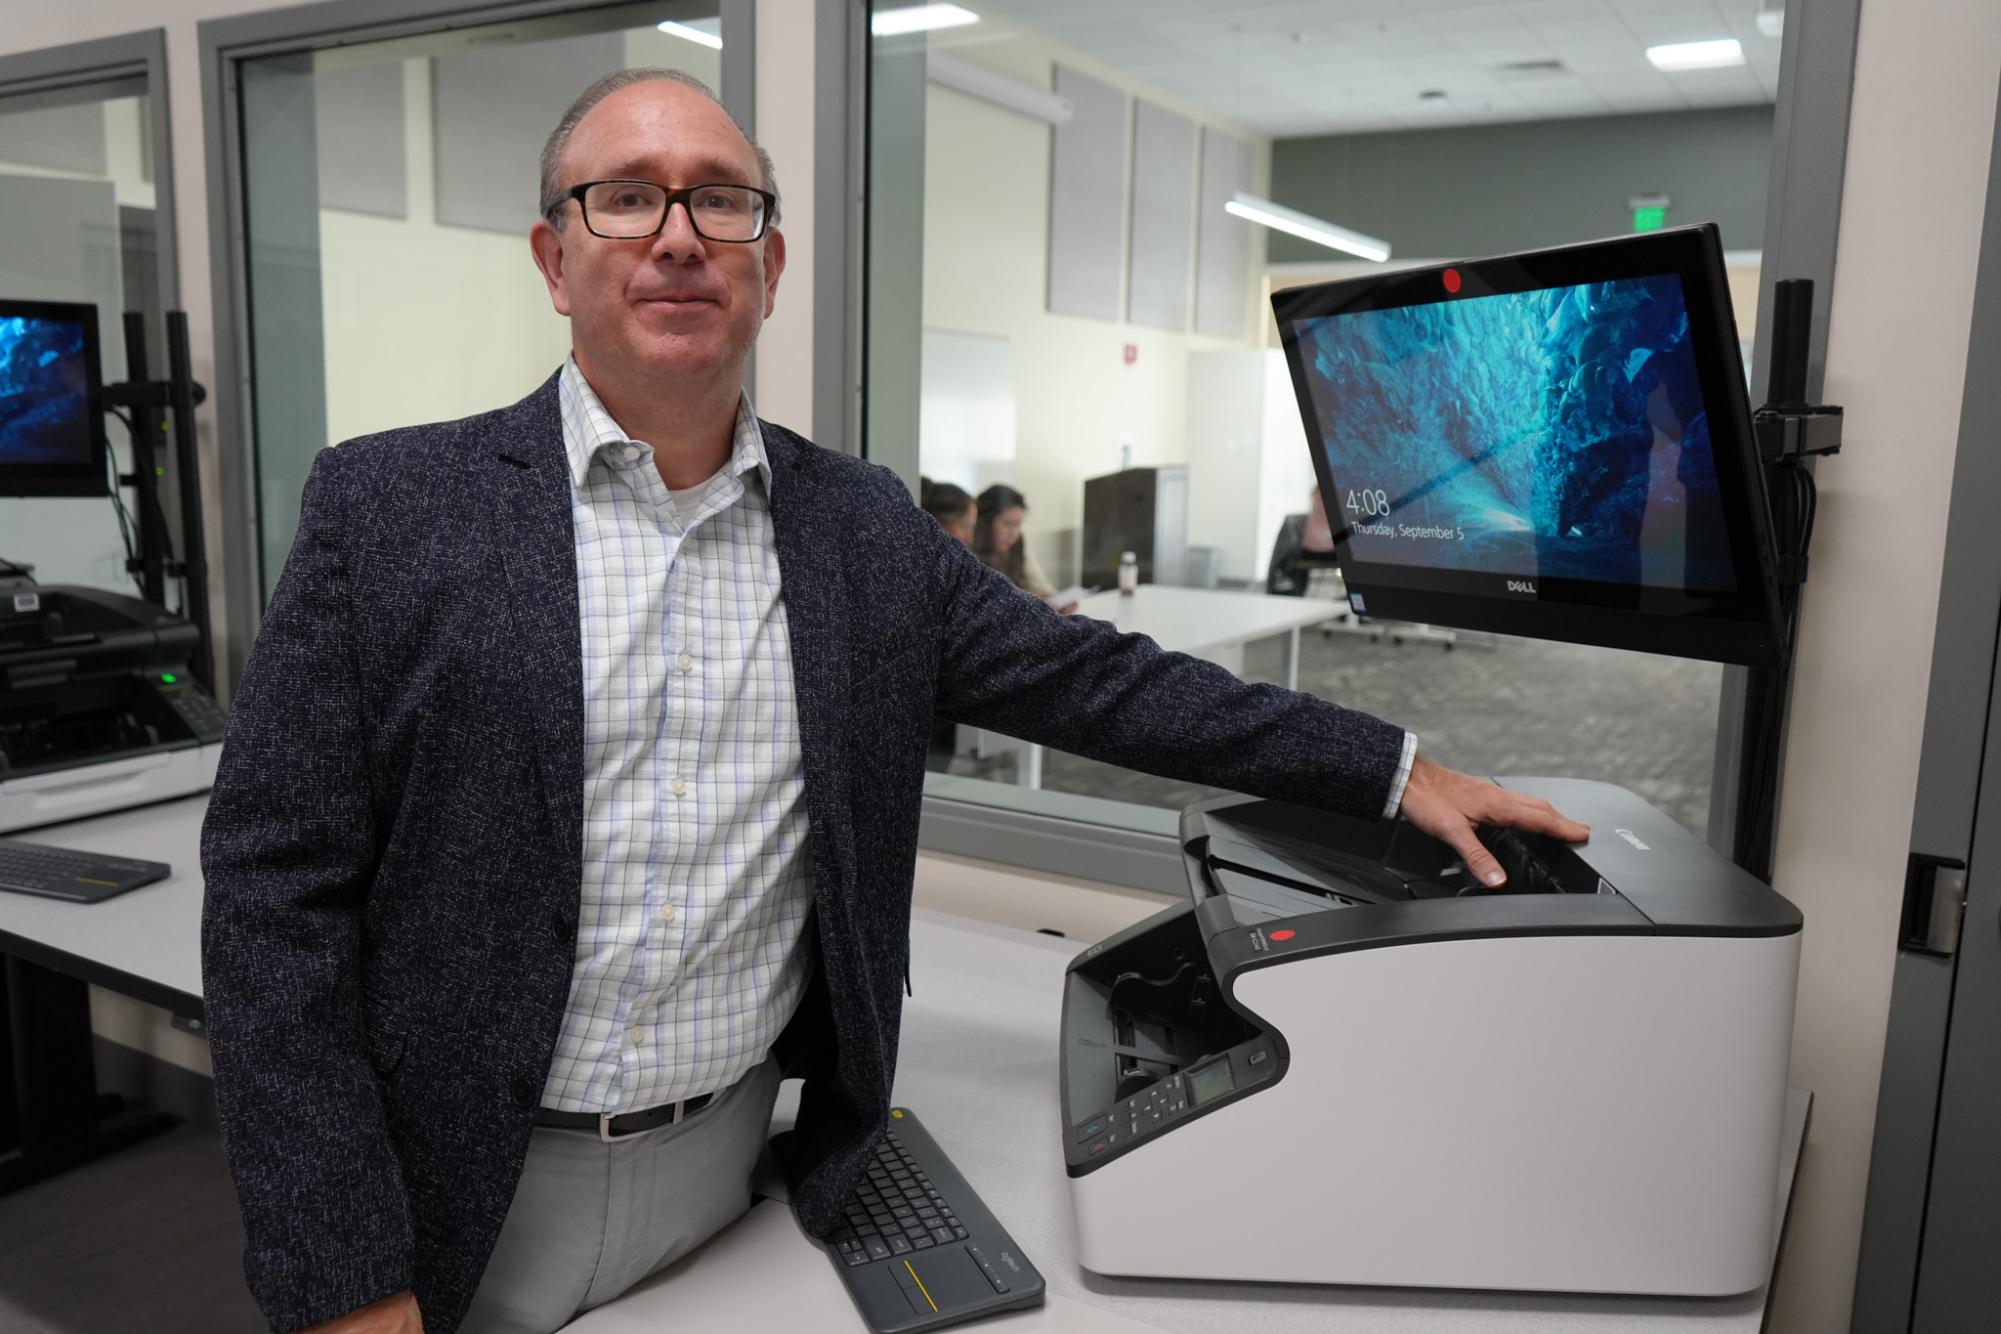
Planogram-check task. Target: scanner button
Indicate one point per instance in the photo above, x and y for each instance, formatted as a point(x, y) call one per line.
point(1097, 1147)
point(1283, 935)
point(1094, 1126)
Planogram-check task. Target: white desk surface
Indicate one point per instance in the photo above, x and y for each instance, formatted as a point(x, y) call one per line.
point(152, 934)
point(978, 1065)
point(1185, 620)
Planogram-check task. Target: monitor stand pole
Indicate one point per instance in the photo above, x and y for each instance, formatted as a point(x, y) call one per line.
point(1791, 434)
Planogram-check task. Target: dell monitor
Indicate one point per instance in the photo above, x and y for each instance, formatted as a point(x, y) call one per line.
point(1555, 444)
point(51, 401)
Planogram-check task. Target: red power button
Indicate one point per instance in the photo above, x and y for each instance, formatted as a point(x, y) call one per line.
point(1283, 935)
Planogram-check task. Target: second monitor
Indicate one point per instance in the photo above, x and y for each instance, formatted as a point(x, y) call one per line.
point(51, 400)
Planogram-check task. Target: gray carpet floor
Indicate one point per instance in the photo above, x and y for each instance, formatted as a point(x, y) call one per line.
point(1491, 705)
point(147, 1241)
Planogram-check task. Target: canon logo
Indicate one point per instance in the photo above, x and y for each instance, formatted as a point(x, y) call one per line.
point(1633, 839)
point(1521, 585)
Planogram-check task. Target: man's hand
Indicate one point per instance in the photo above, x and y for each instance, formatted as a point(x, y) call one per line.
point(391, 1315)
point(1449, 805)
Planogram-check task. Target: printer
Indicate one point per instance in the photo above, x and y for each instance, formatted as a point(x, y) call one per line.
point(1341, 1061)
point(98, 711)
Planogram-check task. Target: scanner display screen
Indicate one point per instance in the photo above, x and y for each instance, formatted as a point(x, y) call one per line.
point(1553, 433)
point(1210, 1082)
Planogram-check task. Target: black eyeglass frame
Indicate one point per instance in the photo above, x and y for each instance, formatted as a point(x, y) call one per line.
point(681, 197)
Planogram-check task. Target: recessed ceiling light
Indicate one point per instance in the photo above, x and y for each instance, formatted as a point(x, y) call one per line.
point(920, 18)
point(1432, 95)
point(1697, 55)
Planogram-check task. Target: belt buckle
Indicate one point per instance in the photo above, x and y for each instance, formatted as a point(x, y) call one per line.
point(606, 1118)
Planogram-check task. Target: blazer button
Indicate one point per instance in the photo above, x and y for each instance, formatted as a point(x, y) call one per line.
point(559, 927)
point(524, 1092)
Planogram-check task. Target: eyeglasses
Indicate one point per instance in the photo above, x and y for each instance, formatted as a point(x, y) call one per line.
point(621, 210)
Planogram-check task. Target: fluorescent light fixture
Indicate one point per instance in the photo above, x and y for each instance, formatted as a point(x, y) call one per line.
point(920, 18)
point(1697, 55)
point(1304, 225)
point(689, 32)
point(979, 81)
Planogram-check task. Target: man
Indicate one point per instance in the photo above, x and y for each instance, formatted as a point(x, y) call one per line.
point(572, 789)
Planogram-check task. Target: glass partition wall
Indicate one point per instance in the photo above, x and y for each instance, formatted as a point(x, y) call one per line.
point(1077, 215)
point(387, 191)
point(79, 223)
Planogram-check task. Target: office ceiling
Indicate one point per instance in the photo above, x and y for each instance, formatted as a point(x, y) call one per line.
point(1304, 67)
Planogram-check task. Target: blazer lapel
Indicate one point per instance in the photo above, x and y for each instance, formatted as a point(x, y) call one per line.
point(540, 554)
point(817, 625)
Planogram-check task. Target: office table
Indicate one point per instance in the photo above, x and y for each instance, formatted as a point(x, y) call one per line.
point(145, 943)
point(978, 1064)
point(1204, 622)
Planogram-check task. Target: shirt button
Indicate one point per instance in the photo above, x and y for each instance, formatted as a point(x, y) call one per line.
point(680, 788)
point(667, 913)
point(685, 663)
point(634, 1038)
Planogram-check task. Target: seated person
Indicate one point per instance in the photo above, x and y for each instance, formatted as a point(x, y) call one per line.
point(954, 509)
point(997, 541)
point(1318, 539)
point(952, 506)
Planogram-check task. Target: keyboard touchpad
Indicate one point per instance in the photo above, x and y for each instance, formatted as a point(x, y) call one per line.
point(949, 1276)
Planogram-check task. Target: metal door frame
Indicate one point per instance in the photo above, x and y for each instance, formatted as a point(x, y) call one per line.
point(1929, 1077)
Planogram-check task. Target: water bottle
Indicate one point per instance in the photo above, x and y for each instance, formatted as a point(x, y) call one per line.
point(1128, 573)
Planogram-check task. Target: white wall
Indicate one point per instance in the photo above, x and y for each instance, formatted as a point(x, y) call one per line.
point(986, 263)
point(1920, 134)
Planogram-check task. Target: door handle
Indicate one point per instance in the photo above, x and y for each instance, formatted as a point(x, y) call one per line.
point(1934, 906)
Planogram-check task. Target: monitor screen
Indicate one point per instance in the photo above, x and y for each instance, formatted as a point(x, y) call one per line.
point(1554, 444)
point(51, 431)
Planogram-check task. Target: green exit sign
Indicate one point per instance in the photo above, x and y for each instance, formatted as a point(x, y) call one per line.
point(1649, 218)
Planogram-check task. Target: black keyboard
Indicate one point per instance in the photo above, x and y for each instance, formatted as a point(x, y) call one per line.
point(917, 1247)
point(63, 873)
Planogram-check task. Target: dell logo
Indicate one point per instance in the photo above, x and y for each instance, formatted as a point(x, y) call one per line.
point(1521, 586)
point(1633, 839)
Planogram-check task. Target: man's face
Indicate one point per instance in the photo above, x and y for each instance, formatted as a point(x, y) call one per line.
point(672, 307)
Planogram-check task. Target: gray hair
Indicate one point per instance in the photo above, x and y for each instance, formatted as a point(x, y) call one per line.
point(553, 197)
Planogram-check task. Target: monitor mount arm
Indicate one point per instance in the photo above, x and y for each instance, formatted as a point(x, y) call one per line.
point(1791, 433)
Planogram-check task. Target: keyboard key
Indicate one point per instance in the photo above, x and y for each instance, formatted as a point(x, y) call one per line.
point(878, 1249)
point(941, 1235)
point(898, 1246)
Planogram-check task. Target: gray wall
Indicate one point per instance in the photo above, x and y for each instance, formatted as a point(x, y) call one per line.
point(1488, 189)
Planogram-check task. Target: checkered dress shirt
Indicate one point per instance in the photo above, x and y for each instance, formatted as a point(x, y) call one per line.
point(691, 946)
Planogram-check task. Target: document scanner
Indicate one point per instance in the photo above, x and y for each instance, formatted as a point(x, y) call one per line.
point(1344, 1062)
point(98, 710)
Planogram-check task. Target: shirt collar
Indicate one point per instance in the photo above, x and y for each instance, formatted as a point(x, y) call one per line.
point(588, 428)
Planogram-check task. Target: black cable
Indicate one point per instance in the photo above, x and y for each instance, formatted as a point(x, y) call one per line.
point(10, 567)
point(118, 507)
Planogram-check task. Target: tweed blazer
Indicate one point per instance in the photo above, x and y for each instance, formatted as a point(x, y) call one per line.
point(392, 850)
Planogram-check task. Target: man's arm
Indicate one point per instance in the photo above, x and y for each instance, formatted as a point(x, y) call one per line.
point(1011, 665)
point(288, 853)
